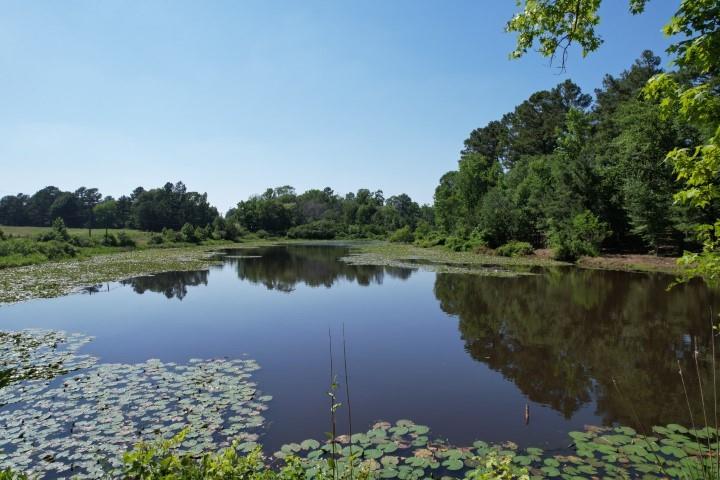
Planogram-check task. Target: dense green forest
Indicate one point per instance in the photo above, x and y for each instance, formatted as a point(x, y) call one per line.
point(573, 172)
point(170, 206)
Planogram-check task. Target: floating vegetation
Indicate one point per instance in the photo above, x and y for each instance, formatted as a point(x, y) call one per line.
point(81, 424)
point(35, 354)
point(53, 279)
point(416, 263)
point(406, 452)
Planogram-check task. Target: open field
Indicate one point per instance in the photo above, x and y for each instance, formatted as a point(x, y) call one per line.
point(139, 236)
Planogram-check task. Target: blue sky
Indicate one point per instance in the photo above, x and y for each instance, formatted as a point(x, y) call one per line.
point(234, 96)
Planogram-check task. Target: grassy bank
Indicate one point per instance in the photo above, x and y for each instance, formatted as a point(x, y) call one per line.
point(441, 259)
point(140, 237)
point(53, 279)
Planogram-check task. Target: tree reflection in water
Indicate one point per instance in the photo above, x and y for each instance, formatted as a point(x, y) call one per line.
point(563, 336)
point(282, 268)
point(170, 284)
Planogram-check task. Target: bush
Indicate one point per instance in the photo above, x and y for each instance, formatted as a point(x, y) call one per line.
point(431, 239)
point(515, 249)
point(317, 230)
point(171, 236)
point(57, 232)
point(187, 233)
point(461, 244)
point(156, 239)
point(158, 461)
point(582, 236)
point(2, 235)
point(262, 233)
point(109, 240)
point(83, 242)
point(124, 240)
point(403, 235)
point(24, 251)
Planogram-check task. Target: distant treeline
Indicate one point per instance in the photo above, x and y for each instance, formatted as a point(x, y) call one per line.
point(323, 214)
point(170, 206)
point(573, 172)
point(320, 214)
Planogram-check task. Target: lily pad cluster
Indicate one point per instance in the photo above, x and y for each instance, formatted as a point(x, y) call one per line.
point(35, 354)
point(402, 450)
point(406, 452)
point(80, 425)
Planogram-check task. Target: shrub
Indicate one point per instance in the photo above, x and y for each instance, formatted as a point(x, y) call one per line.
point(124, 240)
point(458, 243)
point(187, 233)
point(8, 474)
point(57, 232)
point(79, 241)
point(156, 239)
point(171, 236)
point(109, 240)
point(156, 461)
point(403, 235)
point(582, 236)
point(431, 239)
point(262, 233)
point(52, 249)
point(317, 230)
point(2, 235)
point(497, 467)
point(515, 249)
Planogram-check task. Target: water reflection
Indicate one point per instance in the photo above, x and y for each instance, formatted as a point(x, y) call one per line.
point(562, 338)
point(170, 284)
point(282, 268)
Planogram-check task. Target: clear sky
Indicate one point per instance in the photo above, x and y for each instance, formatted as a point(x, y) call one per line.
point(234, 96)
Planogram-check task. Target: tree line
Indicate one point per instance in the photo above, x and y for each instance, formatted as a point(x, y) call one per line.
point(576, 172)
point(315, 213)
point(170, 206)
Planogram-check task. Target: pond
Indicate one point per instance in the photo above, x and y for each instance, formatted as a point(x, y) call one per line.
point(525, 359)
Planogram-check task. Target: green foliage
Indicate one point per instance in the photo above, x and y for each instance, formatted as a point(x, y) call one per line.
point(317, 230)
point(403, 235)
point(689, 96)
point(58, 232)
point(22, 251)
point(8, 474)
point(515, 249)
point(497, 467)
point(155, 461)
point(156, 239)
point(465, 244)
point(322, 214)
point(582, 236)
point(152, 210)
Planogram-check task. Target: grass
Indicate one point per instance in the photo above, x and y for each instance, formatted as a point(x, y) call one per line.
point(440, 259)
point(53, 279)
point(140, 237)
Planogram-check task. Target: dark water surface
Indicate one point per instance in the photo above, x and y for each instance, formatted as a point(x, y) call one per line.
point(462, 354)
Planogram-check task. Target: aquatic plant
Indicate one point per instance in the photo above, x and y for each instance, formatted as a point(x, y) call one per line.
point(405, 451)
point(82, 423)
point(35, 354)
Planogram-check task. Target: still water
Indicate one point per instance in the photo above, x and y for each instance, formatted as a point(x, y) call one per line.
point(463, 354)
